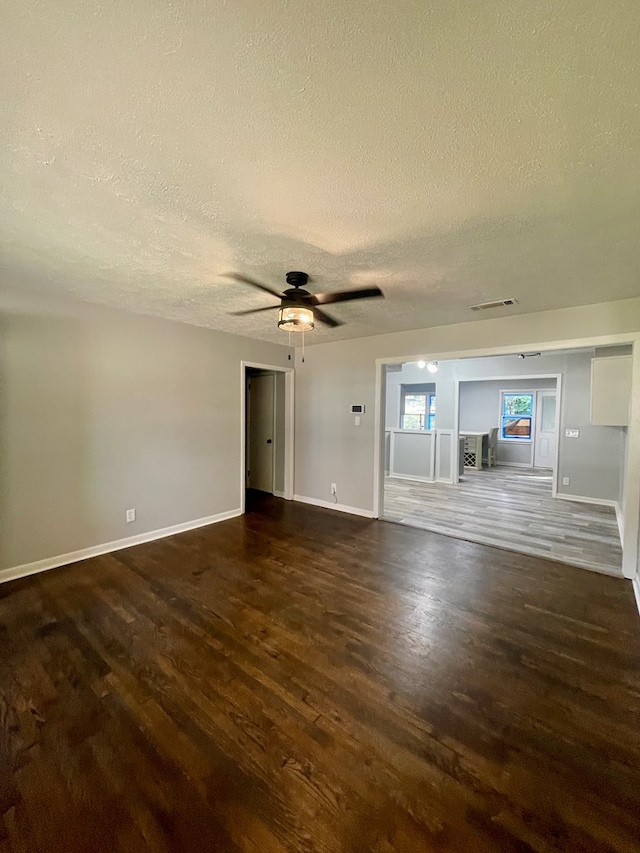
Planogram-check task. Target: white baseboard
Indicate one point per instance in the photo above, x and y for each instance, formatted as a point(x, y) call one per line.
point(636, 588)
point(352, 510)
point(512, 464)
point(415, 478)
point(96, 550)
point(582, 500)
point(620, 520)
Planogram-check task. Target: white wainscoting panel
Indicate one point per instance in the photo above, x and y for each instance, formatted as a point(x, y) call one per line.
point(412, 454)
point(444, 456)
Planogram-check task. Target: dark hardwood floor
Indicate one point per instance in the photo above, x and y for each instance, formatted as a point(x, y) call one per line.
point(303, 680)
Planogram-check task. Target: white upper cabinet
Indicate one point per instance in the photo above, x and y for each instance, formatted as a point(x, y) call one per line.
point(610, 390)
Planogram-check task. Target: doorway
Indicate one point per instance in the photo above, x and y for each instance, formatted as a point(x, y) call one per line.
point(546, 433)
point(511, 497)
point(261, 429)
point(267, 431)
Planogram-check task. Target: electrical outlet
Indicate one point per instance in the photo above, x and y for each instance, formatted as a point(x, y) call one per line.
point(334, 489)
point(566, 481)
point(131, 515)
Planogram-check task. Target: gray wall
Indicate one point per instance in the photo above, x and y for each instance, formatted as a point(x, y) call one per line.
point(480, 410)
point(594, 462)
point(101, 411)
point(329, 448)
point(410, 374)
point(480, 401)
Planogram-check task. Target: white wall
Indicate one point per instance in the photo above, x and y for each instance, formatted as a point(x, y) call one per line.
point(330, 448)
point(101, 411)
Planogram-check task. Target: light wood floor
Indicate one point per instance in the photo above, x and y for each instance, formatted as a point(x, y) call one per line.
point(298, 680)
point(510, 508)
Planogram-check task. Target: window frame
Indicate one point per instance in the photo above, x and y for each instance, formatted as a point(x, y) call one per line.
point(415, 389)
point(530, 416)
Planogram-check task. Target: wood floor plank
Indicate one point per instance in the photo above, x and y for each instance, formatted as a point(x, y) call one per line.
point(510, 508)
point(301, 680)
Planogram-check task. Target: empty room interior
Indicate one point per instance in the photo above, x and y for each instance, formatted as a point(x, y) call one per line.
point(319, 427)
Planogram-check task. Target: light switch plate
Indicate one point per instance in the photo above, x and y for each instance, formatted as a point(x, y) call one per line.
point(572, 433)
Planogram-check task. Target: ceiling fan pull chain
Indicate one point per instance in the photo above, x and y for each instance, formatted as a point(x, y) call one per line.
point(289, 356)
point(303, 347)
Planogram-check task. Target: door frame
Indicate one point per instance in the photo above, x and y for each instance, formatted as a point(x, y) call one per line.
point(250, 426)
point(545, 392)
point(631, 495)
point(523, 377)
point(289, 375)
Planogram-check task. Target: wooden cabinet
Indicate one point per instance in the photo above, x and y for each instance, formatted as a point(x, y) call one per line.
point(610, 390)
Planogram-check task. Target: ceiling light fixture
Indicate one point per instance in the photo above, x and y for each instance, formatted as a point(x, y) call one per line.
point(421, 364)
point(295, 318)
point(432, 366)
point(300, 310)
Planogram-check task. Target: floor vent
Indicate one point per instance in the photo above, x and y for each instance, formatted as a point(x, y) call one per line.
point(484, 306)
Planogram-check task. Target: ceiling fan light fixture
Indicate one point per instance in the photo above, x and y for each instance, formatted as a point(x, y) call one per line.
point(432, 366)
point(294, 318)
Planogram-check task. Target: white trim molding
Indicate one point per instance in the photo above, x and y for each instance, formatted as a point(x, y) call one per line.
point(620, 520)
point(516, 465)
point(635, 582)
point(352, 510)
point(452, 461)
point(289, 417)
point(582, 500)
point(108, 547)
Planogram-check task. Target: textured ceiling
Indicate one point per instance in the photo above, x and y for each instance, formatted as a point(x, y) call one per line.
point(452, 152)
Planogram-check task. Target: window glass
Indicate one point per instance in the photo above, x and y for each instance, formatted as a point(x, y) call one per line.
point(548, 418)
point(418, 407)
point(431, 412)
point(517, 417)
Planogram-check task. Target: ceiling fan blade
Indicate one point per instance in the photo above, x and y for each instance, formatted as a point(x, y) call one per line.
point(254, 310)
point(246, 280)
point(347, 295)
point(325, 318)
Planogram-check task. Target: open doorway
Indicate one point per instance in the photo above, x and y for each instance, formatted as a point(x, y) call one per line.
point(513, 457)
point(509, 421)
point(267, 434)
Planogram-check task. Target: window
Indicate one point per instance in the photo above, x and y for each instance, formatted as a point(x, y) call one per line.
point(418, 407)
point(516, 417)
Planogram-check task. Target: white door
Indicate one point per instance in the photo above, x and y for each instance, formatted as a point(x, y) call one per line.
point(544, 452)
point(260, 431)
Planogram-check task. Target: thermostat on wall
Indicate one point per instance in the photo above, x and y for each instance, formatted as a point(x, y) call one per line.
point(357, 409)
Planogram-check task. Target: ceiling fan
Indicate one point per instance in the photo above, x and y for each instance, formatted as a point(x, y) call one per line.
point(299, 309)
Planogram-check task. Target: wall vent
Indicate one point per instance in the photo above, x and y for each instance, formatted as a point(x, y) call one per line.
point(484, 306)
